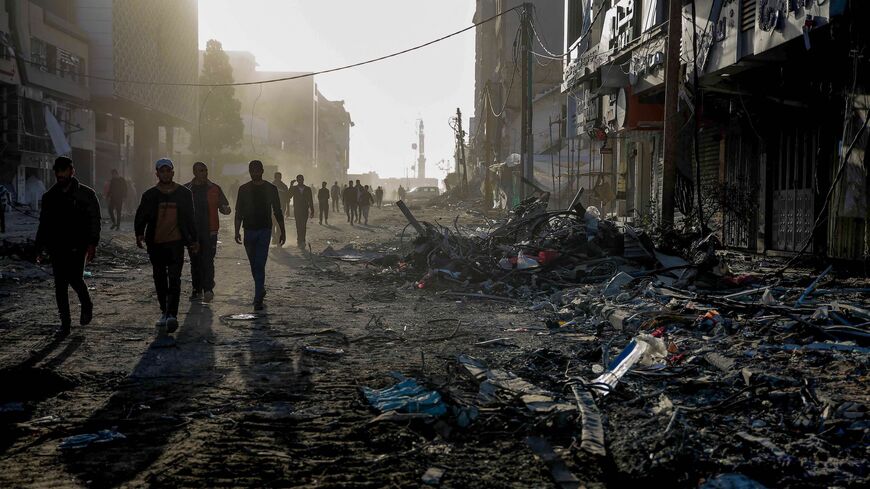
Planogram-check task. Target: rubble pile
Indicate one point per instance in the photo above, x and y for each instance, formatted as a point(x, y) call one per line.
point(691, 367)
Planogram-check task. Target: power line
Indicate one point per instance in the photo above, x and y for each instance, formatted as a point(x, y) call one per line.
point(294, 77)
point(581, 38)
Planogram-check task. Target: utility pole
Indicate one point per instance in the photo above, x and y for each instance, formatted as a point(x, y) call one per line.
point(460, 151)
point(527, 160)
point(487, 151)
point(672, 124)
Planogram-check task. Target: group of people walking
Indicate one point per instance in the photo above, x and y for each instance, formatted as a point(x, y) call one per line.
point(358, 199)
point(172, 217)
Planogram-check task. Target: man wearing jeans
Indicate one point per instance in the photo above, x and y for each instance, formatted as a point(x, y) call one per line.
point(208, 200)
point(256, 202)
point(165, 222)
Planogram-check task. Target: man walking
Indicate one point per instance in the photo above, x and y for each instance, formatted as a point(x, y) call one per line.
point(5, 198)
point(303, 208)
point(357, 197)
point(69, 229)
point(116, 195)
point(379, 196)
point(208, 200)
point(165, 224)
point(401, 192)
point(256, 203)
point(350, 198)
point(283, 198)
point(323, 203)
point(335, 193)
point(365, 203)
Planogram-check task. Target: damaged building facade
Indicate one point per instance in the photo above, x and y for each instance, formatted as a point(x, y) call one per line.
point(496, 126)
point(44, 97)
point(776, 105)
point(61, 68)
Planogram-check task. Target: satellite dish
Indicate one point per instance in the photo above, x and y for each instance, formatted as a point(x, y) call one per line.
point(621, 108)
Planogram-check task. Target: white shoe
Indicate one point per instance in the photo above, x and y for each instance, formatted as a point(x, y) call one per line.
point(161, 325)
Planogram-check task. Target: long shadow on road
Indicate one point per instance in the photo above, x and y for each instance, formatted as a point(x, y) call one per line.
point(148, 406)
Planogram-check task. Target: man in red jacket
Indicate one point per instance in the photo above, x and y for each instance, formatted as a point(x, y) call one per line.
point(208, 200)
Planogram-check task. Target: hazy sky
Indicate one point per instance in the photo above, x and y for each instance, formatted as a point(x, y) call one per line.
point(384, 99)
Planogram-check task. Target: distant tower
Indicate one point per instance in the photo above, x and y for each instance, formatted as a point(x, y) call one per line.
point(421, 160)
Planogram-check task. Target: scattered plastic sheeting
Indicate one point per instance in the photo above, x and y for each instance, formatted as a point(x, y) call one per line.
point(406, 397)
point(732, 481)
point(616, 283)
point(841, 347)
point(433, 476)
point(322, 350)
point(350, 254)
point(82, 441)
point(644, 349)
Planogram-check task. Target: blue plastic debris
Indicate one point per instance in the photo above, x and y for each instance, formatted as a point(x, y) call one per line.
point(406, 397)
point(82, 441)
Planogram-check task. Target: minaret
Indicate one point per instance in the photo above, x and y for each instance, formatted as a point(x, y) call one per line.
point(421, 160)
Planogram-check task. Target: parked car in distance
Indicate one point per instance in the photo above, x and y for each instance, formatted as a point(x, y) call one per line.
point(421, 195)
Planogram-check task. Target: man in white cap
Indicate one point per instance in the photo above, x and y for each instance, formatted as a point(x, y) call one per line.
point(165, 223)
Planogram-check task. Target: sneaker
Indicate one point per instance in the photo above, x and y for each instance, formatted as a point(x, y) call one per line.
point(62, 330)
point(196, 295)
point(208, 296)
point(171, 324)
point(161, 325)
point(87, 314)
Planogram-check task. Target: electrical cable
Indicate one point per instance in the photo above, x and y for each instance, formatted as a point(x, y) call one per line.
point(827, 200)
point(294, 77)
point(579, 39)
point(199, 117)
point(253, 107)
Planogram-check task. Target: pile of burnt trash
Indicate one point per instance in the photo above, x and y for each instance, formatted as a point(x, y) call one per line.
point(685, 366)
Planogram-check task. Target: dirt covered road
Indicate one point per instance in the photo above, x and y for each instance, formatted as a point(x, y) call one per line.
point(276, 400)
point(243, 403)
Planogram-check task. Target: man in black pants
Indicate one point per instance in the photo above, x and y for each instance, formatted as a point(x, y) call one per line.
point(69, 229)
point(335, 194)
point(350, 200)
point(165, 222)
point(117, 195)
point(208, 200)
point(323, 203)
point(303, 208)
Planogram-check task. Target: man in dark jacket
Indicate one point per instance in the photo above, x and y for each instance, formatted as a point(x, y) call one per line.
point(303, 208)
point(350, 200)
point(365, 203)
point(323, 203)
point(335, 194)
point(165, 222)
point(256, 203)
point(284, 198)
point(208, 200)
point(69, 229)
point(116, 196)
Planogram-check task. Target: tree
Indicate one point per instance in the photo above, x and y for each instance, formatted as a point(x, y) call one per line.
point(220, 124)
